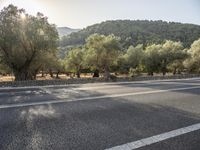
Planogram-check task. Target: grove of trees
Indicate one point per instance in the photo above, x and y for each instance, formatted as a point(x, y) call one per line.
point(30, 44)
point(104, 53)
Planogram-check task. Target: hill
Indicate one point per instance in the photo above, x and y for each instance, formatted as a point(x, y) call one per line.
point(133, 32)
point(64, 31)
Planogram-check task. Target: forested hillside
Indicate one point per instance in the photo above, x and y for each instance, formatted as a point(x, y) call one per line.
point(64, 31)
point(138, 32)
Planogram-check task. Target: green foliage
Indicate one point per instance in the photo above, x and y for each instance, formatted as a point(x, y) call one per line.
point(152, 59)
point(24, 38)
point(4, 69)
point(75, 60)
point(131, 59)
point(138, 32)
point(102, 52)
point(134, 56)
point(158, 58)
point(171, 52)
point(193, 63)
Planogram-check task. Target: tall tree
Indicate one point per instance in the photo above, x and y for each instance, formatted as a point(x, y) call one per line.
point(160, 57)
point(102, 52)
point(23, 38)
point(170, 53)
point(75, 60)
point(134, 56)
point(152, 60)
point(193, 63)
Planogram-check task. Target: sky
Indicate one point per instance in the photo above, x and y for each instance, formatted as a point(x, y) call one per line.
point(81, 13)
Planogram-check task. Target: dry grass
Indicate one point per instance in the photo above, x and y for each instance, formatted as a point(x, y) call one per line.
point(7, 78)
point(64, 76)
point(46, 77)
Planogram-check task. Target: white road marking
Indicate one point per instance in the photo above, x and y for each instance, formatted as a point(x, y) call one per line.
point(156, 138)
point(119, 86)
point(94, 97)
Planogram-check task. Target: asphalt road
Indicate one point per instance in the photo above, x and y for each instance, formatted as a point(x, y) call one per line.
point(100, 116)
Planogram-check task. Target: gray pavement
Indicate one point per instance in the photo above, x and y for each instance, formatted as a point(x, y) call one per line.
point(99, 116)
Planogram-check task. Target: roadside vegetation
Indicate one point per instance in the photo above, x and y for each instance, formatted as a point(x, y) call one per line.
point(30, 45)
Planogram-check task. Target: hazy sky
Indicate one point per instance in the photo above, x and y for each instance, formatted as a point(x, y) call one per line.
point(81, 13)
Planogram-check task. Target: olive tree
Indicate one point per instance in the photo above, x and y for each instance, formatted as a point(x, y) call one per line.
point(102, 52)
point(134, 56)
point(161, 57)
point(171, 53)
point(152, 60)
point(23, 38)
point(193, 62)
point(75, 60)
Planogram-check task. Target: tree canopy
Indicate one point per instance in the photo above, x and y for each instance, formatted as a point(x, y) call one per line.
point(102, 52)
point(75, 60)
point(134, 56)
point(193, 62)
point(138, 32)
point(23, 38)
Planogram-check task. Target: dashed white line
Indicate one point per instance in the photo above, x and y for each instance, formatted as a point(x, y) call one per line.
point(94, 97)
point(156, 138)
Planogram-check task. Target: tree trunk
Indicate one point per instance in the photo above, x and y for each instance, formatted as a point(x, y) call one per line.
point(106, 73)
point(164, 67)
point(22, 75)
point(96, 73)
point(78, 74)
point(57, 74)
point(174, 72)
point(164, 73)
point(51, 73)
point(150, 73)
point(35, 76)
point(42, 73)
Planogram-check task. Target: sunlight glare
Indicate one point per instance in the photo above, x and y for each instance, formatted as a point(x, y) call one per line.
point(23, 16)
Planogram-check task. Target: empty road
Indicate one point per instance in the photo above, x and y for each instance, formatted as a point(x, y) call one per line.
point(145, 115)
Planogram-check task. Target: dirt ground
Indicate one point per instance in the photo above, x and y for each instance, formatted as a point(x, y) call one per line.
point(39, 77)
point(62, 76)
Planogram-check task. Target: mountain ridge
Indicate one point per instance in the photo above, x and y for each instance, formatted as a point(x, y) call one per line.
point(133, 32)
point(64, 31)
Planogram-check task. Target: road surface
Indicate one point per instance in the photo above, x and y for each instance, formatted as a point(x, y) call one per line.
point(145, 115)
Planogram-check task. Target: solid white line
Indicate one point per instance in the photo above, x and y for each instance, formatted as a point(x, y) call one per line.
point(156, 138)
point(93, 98)
point(119, 86)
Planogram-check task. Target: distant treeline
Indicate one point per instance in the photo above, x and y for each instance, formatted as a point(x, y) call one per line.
point(138, 32)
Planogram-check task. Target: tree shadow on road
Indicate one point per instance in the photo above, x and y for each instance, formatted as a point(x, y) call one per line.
point(89, 124)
